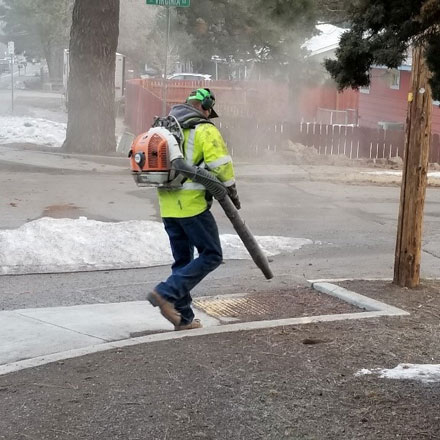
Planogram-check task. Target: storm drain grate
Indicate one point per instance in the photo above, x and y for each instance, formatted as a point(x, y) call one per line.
point(221, 307)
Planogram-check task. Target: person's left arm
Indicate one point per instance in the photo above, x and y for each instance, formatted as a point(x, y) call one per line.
point(218, 160)
point(215, 154)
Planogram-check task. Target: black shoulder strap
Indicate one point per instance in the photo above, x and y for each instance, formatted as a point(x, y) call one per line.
point(193, 122)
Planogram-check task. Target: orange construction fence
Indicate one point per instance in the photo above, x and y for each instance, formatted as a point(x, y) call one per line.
point(259, 100)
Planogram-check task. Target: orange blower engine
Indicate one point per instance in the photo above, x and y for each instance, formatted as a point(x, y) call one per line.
point(152, 154)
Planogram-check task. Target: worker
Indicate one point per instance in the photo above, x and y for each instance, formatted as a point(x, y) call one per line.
point(185, 211)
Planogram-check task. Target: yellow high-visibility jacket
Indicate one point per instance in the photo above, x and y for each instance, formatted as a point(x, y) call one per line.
point(203, 146)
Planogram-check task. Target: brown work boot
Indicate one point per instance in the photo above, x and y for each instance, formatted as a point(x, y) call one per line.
point(166, 308)
point(195, 323)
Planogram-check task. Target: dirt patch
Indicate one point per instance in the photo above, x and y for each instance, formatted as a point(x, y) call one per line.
point(295, 383)
point(288, 303)
point(422, 301)
point(296, 153)
point(69, 210)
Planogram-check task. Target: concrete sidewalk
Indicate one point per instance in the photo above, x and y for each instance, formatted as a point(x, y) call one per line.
point(29, 333)
point(52, 159)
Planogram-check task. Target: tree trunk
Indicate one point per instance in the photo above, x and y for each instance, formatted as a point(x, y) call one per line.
point(414, 179)
point(91, 85)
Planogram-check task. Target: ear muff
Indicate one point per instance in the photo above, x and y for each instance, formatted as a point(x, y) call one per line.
point(206, 98)
point(208, 101)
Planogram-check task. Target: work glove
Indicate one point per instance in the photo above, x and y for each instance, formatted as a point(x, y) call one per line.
point(232, 193)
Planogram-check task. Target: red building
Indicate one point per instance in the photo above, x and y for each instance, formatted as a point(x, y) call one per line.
point(386, 100)
point(383, 104)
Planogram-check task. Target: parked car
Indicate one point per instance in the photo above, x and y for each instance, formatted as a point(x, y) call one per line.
point(190, 77)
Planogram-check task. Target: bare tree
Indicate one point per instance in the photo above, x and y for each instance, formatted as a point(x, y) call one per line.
point(135, 24)
point(41, 27)
point(91, 87)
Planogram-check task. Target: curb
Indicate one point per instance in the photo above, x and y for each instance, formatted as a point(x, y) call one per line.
point(361, 301)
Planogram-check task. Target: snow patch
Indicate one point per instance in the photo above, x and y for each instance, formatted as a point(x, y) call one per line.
point(16, 129)
point(383, 172)
point(426, 373)
point(65, 245)
point(327, 39)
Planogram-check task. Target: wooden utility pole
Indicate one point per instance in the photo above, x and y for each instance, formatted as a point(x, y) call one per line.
point(414, 179)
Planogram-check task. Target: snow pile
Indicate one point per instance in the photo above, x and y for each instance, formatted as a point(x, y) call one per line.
point(432, 174)
point(64, 245)
point(424, 373)
point(233, 248)
point(15, 129)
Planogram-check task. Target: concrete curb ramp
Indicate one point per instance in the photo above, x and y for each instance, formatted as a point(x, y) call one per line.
point(83, 343)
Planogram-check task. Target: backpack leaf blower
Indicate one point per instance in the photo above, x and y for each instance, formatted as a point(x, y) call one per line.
point(156, 159)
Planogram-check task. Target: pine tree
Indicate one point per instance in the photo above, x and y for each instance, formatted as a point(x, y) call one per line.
point(135, 23)
point(381, 34)
point(91, 87)
point(268, 32)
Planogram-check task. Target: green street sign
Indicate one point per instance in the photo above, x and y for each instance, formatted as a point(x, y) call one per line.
point(177, 3)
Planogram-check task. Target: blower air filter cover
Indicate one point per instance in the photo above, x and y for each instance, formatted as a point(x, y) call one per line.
point(149, 152)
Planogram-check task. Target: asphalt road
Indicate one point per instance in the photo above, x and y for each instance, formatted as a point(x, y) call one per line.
point(353, 227)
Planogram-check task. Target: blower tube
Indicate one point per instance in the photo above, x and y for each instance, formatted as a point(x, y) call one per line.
point(219, 191)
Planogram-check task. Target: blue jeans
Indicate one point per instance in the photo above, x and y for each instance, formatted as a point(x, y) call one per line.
point(200, 232)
